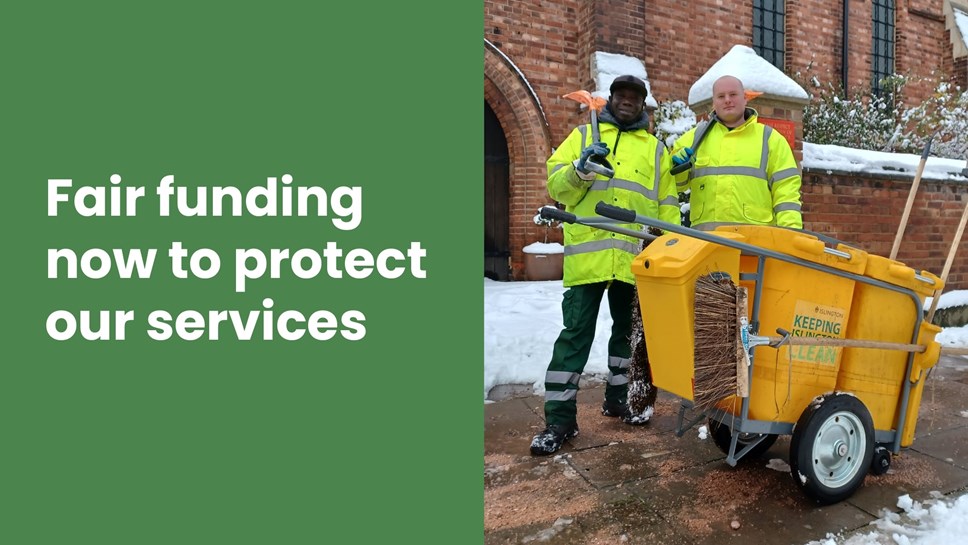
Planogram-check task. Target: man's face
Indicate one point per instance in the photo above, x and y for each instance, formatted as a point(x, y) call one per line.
point(729, 101)
point(626, 105)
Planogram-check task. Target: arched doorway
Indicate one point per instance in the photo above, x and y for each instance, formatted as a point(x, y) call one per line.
point(497, 246)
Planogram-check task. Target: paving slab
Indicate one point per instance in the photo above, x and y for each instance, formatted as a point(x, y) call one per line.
point(949, 446)
point(537, 492)
point(642, 457)
point(705, 502)
point(624, 521)
point(509, 426)
point(943, 401)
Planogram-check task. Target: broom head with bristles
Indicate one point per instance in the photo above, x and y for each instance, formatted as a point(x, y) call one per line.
point(719, 360)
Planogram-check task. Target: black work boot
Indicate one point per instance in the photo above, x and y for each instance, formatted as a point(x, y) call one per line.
point(622, 410)
point(614, 408)
point(551, 439)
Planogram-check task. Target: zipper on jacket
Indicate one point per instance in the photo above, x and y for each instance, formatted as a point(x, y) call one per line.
point(617, 138)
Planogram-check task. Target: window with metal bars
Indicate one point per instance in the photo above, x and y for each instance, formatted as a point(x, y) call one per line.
point(769, 29)
point(882, 59)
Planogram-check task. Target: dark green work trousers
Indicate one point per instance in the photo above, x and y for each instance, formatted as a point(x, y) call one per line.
point(579, 310)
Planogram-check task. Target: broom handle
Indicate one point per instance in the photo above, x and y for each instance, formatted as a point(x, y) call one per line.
point(910, 200)
point(947, 263)
point(844, 343)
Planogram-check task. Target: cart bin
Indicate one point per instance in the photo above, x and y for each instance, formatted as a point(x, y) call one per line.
point(665, 274)
point(803, 301)
point(881, 314)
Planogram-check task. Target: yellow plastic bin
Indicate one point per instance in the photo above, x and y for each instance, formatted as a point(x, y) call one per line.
point(805, 302)
point(666, 273)
point(880, 314)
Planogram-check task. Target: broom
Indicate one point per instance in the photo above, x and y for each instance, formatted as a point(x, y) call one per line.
point(642, 393)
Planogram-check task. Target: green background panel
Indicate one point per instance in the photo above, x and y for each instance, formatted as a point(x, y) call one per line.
point(140, 441)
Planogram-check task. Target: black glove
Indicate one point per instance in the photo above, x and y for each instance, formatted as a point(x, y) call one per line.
point(598, 149)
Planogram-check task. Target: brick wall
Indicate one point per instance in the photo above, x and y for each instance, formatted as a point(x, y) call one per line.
point(818, 23)
point(684, 38)
point(865, 211)
point(921, 44)
point(542, 40)
point(956, 66)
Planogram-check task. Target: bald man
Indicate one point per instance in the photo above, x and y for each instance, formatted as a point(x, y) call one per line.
point(743, 171)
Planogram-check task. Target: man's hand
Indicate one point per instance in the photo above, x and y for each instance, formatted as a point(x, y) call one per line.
point(597, 149)
point(683, 157)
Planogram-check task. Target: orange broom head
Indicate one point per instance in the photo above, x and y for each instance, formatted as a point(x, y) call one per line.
point(750, 95)
point(586, 98)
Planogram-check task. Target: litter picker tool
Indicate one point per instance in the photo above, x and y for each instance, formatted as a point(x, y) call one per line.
point(595, 105)
point(701, 133)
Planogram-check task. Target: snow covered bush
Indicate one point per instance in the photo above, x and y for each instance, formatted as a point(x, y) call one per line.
point(945, 116)
point(883, 123)
point(672, 120)
point(862, 121)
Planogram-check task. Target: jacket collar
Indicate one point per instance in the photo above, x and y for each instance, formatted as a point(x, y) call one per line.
point(751, 118)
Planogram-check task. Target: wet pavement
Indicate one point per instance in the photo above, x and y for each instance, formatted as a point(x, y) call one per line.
point(616, 483)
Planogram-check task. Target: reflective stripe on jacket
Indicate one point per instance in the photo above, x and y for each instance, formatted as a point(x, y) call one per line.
point(744, 175)
point(595, 255)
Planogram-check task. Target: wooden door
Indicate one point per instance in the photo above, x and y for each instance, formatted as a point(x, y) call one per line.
point(497, 248)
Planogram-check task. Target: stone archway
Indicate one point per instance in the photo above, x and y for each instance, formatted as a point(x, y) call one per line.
point(517, 108)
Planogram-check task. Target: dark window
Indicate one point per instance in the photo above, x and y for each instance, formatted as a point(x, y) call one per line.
point(768, 29)
point(882, 64)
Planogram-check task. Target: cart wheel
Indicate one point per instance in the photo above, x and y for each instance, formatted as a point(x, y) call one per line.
point(832, 447)
point(722, 435)
point(881, 462)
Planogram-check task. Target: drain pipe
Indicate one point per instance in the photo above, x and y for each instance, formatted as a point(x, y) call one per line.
point(844, 56)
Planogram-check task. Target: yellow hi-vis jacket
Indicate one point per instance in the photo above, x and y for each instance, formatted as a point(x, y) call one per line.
point(642, 183)
point(745, 175)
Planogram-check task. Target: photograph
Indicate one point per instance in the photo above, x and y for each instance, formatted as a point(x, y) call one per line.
point(725, 284)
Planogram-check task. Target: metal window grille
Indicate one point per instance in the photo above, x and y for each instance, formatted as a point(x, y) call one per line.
point(769, 30)
point(882, 58)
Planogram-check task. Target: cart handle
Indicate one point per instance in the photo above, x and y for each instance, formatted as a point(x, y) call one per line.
point(615, 212)
point(605, 224)
point(552, 213)
point(629, 216)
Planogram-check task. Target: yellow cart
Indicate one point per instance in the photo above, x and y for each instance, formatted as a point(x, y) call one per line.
point(848, 406)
